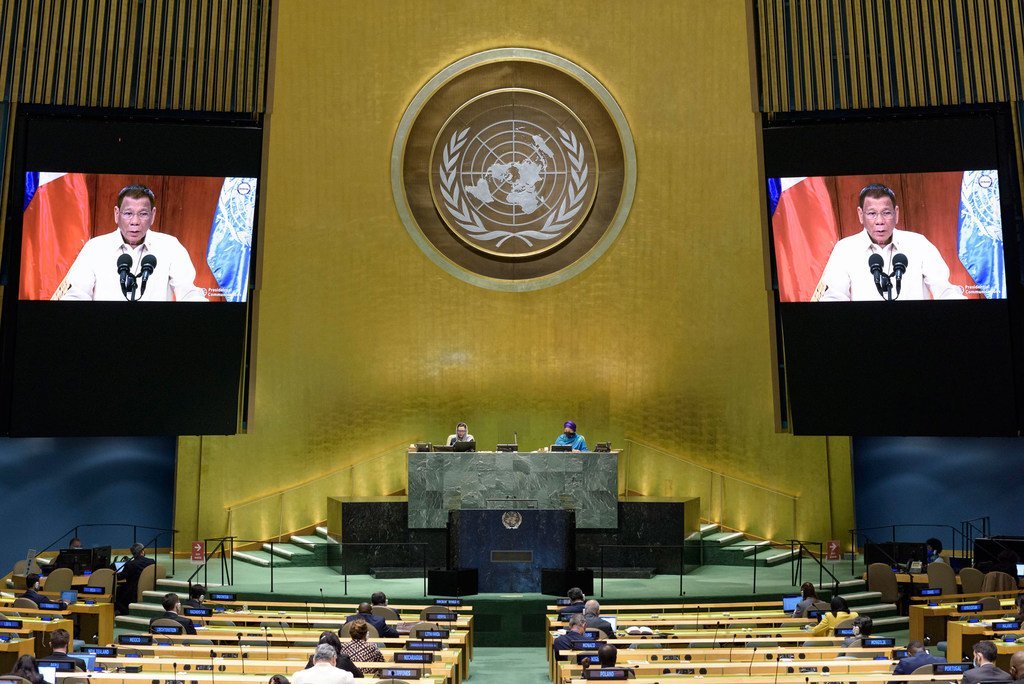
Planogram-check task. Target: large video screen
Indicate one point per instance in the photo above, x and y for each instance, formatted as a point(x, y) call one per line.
point(888, 237)
point(136, 238)
point(128, 263)
point(894, 245)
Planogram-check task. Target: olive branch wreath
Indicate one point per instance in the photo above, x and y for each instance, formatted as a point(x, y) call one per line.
point(469, 220)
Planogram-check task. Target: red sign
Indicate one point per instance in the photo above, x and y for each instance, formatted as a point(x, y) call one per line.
point(198, 552)
point(833, 551)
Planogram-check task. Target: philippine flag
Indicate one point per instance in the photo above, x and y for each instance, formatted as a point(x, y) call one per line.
point(805, 230)
point(55, 227)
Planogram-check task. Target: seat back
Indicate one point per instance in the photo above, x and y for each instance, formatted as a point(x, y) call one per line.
point(415, 630)
point(996, 581)
point(104, 577)
point(24, 603)
point(346, 629)
point(848, 622)
point(22, 567)
point(942, 576)
point(161, 572)
point(59, 580)
point(971, 580)
point(925, 669)
point(386, 613)
point(882, 579)
point(147, 582)
point(14, 678)
point(166, 622)
point(989, 603)
point(822, 605)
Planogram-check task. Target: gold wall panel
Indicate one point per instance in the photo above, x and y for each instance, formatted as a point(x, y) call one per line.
point(364, 343)
point(826, 55)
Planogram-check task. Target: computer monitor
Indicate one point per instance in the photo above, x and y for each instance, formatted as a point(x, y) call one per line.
point(789, 602)
point(88, 660)
point(100, 557)
point(422, 446)
point(561, 447)
point(48, 673)
point(603, 447)
point(507, 448)
point(464, 446)
point(1020, 569)
point(77, 560)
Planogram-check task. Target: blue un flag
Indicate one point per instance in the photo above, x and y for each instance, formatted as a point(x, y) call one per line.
point(230, 247)
point(980, 233)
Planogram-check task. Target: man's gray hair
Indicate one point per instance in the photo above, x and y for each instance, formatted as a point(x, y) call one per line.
point(324, 653)
point(577, 619)
point(592, 607)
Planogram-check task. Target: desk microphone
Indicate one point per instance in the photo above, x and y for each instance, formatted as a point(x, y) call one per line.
point(322, 601)
point(266, 641)
point(240, 656)
point(515, 440)
point(213, 669)
point(750, 666)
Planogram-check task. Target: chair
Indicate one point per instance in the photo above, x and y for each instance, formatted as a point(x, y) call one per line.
point(386, 613)
point(14, 678)
point(22, 568)
point(925, 669)
point(161, 572)
point(847, 622)
point(430, 610)
point(942, 576)
point(371, 631)
point(166, 622)
point(996, 581)
point(59, 580)
point(421, 627)
point(971, 580)
point(990, 603)
point(147, 582)
point(882, 580)
point(822, 605)
point(24, 603)
point(104, 577)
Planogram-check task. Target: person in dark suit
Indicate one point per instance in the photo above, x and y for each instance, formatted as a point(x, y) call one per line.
point(592, 613)
point(1017, 666)
point(564, 642)
point(32, 592)
point(196, 596)
point(129, 575)
point(381, 625)
point(576, 602)
point(985, 669)
point(916, 657)
point(172, 604)
point(59, 640)
point(607, 654)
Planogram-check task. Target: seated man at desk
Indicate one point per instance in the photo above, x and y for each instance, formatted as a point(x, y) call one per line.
point(382, 627)
point(461, 435)
point(571, 438)
point(130, 573)
point(916, 657)
point(172, 604)
point(576, 604)
point(196, 596)
point(75, 543)
point(606, 656)
point(985, 669)
point(564, 642)
point(592, 615)
point(59, 641)
point(32, 592)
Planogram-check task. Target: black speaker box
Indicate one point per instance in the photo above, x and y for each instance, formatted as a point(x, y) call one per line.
point(461, 582)
point(556, 582)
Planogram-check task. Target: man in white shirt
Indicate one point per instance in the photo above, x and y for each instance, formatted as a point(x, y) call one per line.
point(94, 275)
point(461, 435)
point(323, 670)
point(848, 277)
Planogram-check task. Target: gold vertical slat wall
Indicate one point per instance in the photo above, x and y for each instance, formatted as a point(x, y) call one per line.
point(857, 54)
point(184, 55)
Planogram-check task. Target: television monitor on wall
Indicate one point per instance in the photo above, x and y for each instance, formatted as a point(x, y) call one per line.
point(129, 257)
point(895, 271)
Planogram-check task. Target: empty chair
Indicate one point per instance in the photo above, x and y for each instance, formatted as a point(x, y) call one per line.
point(942, 576)
point(22, 567)
point(147, 582)
point(24, 603)
point(990, 603)
point(882, 579)
point(387, 613)
point(104, 577)
point(971, 580)
point(59, 580)
point(996, 581)
point(432, 610)
point(371, 631)
point(925, 669)
point(415, 630)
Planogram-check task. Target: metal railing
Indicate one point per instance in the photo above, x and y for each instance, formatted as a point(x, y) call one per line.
point(800, 547)
point(225, 547)
point(959, 538)
point(160, 531)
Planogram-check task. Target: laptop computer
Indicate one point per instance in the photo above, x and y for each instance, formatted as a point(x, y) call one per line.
point(49, 674)
point(88, 660)
point(119, 565)
point(69, 597)
point(789, 603)
point(612, 620)
point(1020, 569)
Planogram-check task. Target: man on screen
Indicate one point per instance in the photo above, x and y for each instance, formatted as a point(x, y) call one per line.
point(848, 275)
point(95, 275)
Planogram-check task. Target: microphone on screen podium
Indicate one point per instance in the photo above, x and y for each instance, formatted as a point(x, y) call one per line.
point(899, 267)
point(881, 280)
point(148, 266)
point(124, 274)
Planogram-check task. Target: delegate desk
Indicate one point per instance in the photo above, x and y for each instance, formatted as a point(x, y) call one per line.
point(95, 620)
point(963, 636)
point(12, 649)
point(933, 621)
point(810, 678)
point(212, 677)
point(441, 482)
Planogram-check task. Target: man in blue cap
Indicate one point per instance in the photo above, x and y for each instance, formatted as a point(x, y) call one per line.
point(570, 438)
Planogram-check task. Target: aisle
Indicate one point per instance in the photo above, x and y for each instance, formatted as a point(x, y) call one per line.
point(508, 666)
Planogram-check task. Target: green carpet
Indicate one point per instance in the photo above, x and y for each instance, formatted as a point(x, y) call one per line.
point(504, 665)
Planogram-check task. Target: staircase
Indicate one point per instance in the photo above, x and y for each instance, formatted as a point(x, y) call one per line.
point(299, 551)
point(736, 549)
